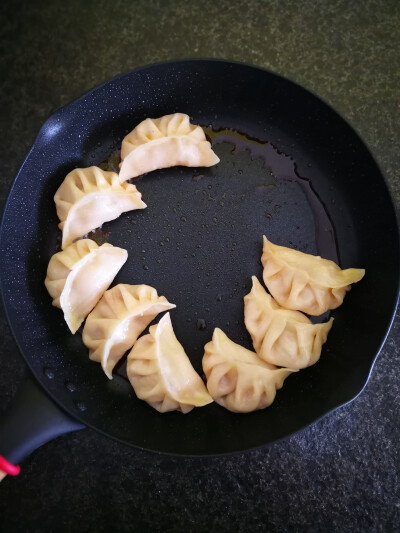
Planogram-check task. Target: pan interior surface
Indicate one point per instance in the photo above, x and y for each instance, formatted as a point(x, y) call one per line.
point(291, 168)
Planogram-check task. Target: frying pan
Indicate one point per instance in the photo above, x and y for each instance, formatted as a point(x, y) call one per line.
point(291, 168)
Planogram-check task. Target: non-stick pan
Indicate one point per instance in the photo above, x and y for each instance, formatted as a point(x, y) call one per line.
point(291, 168)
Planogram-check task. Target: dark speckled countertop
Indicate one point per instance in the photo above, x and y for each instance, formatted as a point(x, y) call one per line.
point(342, 473)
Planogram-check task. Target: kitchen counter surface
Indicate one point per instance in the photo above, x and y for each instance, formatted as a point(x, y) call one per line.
point(340, 474)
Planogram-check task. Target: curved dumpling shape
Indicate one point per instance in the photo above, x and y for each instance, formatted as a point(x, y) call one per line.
point(282, 337)
point(78, 276)
point(161, 374)
point(118, 319)
point(236, 378)
point(305, 282)
point(88, 197)
point(164, 142)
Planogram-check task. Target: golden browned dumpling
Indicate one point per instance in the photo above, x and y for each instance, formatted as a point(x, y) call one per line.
point(118, 319)
point(161, 374)
point(236, 378)
point(78, 276)
point(305, 282)
point(282, 337)
point(164, 142)
point(88, 197)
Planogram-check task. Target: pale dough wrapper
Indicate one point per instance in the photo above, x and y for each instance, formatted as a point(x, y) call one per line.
point(78, 276)
point(164, 142)
point(88, 197)
point(118, 319)
point(305, 282)
point(236, 378)
point(161, 373)
point(282, 337)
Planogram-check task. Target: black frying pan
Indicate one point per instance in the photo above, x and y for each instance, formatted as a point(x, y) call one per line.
point(291, 168)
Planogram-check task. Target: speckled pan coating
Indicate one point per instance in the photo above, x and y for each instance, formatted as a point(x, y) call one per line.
point(177, 246)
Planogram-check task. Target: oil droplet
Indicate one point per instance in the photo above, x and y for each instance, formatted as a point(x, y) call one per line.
point(81, 406)
point(48, 373)
point(70, 386)
point(201, 324)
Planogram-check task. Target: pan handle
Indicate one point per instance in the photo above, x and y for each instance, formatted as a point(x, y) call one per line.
point(32, 420)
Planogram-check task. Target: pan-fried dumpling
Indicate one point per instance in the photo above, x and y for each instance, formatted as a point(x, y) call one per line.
point(161, 374)
point(88, 197)
point(236, 378)
point(280, 336)
point(118, 319)
point(305, 282)
point(164, 142)
point(78, 276)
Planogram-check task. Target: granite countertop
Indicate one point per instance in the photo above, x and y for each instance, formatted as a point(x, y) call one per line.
point(340, 474)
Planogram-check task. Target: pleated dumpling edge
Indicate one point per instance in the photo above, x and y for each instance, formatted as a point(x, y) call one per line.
point(118, 319)
point(305, 282)
point(88, 197)
point(164, 142)
point(161, 373)
point(280, 336)
point(78, 276)
point(237, 379)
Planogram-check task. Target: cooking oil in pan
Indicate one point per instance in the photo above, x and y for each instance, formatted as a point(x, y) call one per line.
point(283, 167)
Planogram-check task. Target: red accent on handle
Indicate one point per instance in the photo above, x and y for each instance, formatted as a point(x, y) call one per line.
point(8, 468)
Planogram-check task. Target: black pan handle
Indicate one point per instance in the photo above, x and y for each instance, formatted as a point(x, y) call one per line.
point(32, 420)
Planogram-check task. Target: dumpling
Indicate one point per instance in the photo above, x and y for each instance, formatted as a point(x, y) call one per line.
point(236, 378)
point(118, 319)
point(280, 336)
point(164, 142)
point(78, 276)
point(161, 373)
point(88, 197)
point(305, 282)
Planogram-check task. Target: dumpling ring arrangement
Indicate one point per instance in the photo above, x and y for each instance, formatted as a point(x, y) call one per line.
point(160, 372)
